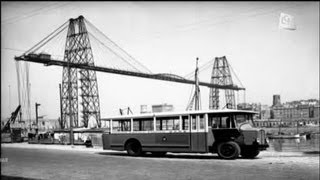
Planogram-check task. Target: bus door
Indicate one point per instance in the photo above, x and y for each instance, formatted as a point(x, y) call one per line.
point(198, 134)
point(224, 127)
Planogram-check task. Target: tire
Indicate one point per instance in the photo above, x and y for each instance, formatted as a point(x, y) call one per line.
point(229, 150)
point(134, 148)
point(159, 154)
point(250, 153)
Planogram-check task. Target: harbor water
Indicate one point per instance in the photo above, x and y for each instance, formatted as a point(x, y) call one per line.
point(301, 144)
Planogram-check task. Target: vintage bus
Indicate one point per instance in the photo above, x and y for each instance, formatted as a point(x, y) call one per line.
point(229, 133)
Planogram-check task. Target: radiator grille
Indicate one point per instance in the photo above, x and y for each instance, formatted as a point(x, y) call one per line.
point(262, 136)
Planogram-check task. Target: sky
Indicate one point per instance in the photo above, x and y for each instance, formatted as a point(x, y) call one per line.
point(167, 37)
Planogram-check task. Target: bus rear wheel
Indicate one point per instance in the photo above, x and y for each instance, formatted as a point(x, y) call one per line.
point(134, 148)
point(228, 150)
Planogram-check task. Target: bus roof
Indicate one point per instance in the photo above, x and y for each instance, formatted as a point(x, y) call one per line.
point(164, 114)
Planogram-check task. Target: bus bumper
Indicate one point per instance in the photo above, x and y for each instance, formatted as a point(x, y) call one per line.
point(261, 147)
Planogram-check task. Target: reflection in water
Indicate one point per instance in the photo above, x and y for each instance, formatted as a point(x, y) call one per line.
point(294, 145)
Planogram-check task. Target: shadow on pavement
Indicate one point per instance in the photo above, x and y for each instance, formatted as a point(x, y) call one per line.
point(311, 152)
point(5, 177)
point(173, 156)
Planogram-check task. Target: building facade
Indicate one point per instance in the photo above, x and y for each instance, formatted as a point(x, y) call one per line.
point(162, 108)
point(302, 112)
point(276, 100)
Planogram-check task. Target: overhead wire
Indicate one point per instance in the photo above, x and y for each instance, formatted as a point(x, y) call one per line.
point(28, 13)
point(43, 41)
point(35, 48)
point(34, 14)
point(247, 17)
point(233, 19)
point(12, 49)
point(261, 11)
point(20, 50)
point(220, 16)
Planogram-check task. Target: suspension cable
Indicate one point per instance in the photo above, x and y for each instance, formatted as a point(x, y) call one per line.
point(201, 68)
point(235, 75)
point(113, 52)
point(28, 51)
point(118, 46)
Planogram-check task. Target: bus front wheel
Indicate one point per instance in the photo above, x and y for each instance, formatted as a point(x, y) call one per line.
point(134, 148)
point(228, 150)
point(250, 153)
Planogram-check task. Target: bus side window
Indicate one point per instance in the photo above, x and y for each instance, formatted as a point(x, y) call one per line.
point(158, 124)
point(176, 124)
point(185, 123)
point(168, 123)
point(115, 126)
point(193, 122)
point(201, 119)
point(230, 122)
point(143, 124)
point(213, 121)
point(123, 125)
point(136, 125)
point(147, 125)
point(233, 122)
point(227, 122)
point(223, 122)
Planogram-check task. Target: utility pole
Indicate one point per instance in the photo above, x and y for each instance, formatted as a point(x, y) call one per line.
point(61, 121)
point(69, 97)
point(197, 89)
point(9, 99)
point(37, 117)
point(195, 101)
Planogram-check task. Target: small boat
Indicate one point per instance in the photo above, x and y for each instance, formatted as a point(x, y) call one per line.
point(285, 136)
point(280, 136)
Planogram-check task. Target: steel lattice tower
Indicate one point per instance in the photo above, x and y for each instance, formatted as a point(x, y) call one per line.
point(78, 50)
point(221, 75)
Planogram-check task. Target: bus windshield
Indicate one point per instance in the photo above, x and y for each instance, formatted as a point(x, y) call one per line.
point(245, 121)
